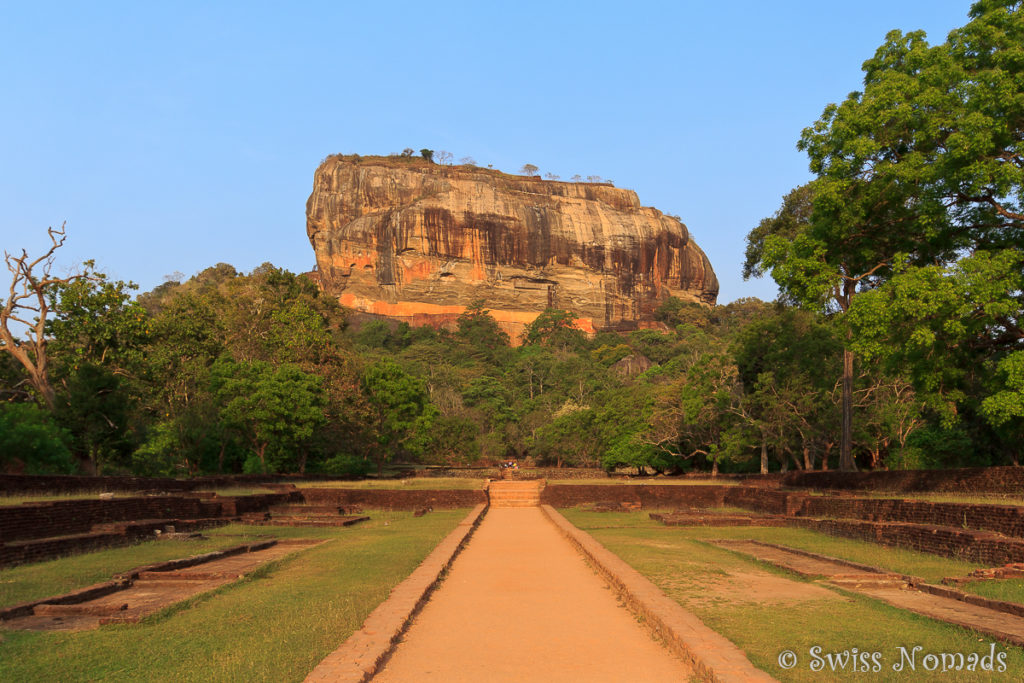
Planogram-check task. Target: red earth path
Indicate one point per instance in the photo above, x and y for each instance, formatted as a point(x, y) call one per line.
point(520, 604)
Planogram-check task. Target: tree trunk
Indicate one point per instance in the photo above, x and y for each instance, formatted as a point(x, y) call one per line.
point(846, 463)
point(764, 454)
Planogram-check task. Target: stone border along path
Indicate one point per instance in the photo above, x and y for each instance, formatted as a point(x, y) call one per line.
point(990, 617)
point(481, 625)
point(361, 655)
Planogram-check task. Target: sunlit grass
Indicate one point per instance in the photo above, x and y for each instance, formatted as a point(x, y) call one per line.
point(274, 626)
point(647, 481)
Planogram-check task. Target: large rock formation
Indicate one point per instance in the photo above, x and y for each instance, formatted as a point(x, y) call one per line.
point(416, 241)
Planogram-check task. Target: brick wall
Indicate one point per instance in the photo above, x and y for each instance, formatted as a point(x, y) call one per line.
point(1004, 519)
point(976, 546)
point(64, 517)
point(396, 500)
point(964, 480)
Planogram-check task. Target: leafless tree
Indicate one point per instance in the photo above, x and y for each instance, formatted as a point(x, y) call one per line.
point(528, 169)
point(552, 176)
point(27, 305)
point(444, 158)
point(467, 161)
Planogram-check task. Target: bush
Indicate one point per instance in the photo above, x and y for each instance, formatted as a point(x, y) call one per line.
point(347, 465)
point(31, 442)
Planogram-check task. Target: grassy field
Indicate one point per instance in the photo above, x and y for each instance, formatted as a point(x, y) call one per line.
point(275, 625)
point(765, 610)
point(652, 481)
point(22, 498)
point(413, 483)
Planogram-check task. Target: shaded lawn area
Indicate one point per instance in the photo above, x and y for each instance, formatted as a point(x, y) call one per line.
point(410, 484)
point(274, 625)
point(765, 610)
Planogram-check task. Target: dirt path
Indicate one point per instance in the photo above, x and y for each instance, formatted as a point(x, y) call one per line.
point(520, 604)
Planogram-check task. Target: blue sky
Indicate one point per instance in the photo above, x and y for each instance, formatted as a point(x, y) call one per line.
point(173, 136)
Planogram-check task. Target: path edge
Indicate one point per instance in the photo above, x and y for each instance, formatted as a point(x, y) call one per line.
point(712, 656)
point(362, 654)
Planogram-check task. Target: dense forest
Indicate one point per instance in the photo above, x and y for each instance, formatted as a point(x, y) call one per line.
point(896, 341)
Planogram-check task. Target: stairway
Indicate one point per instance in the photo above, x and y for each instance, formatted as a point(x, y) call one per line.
point(515, 494)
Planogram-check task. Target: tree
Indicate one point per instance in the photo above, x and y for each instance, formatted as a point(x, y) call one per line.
point(478, 327)
point(552, 176)
point(400, 408)
point(427, 154)
point(921, 176)
point(273, 409)
point(444, 158)
point(31, 443)
point(408, 152)
point(554, 328)
point(467, 161)
point(528, 169)
point(922, 166)
point(28, 304)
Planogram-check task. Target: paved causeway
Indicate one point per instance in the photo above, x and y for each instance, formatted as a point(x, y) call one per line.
point(520, 604)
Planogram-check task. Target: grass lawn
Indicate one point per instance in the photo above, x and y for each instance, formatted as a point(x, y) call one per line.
point(646, 481)
point(275, 625)
point(53, 577)
point(21, 498)
point(765, 610)
point(412, 483)
point(1010, 590)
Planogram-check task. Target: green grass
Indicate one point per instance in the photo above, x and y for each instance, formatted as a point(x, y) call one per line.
point(273, 626)
point(715, 584)
point(1008, 590)
point(962, 498)
point(413, 483)
point(21, 498)
point(653, 481)
point(54, 577)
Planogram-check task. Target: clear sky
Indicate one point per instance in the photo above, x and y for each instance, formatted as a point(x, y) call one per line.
point(173, 136)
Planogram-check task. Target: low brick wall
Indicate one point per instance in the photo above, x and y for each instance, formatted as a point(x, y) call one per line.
point(397, 500)
point(964, 480)
point(63, 517)
point(965, 544)
point(1004, 519)
point(37, 550)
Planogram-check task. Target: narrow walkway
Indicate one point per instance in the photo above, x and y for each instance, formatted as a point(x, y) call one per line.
point(520, 604)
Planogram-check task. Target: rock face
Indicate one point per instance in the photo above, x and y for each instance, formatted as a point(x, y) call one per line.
point(411, 240)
